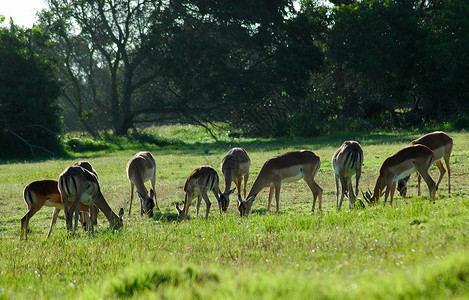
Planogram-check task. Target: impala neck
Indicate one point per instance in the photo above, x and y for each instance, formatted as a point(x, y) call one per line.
point(379, 188)
point(141, 188)
point(228, 180)
point(257, 186)
point(102, 204)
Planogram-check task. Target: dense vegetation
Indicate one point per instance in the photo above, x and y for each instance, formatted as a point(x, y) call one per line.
point(414, 249)
point(266, 68)
point(29, 115)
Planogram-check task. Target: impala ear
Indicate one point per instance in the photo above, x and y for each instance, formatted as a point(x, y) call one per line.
point(121, 212)
point(152, 194)
point(177, 208)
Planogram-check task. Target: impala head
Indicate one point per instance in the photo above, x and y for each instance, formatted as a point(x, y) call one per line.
point(225, 199)
point(181, 214)
point(244, 207)
point(120, 220)
point(147, 203)
point(402, 186)
point(378, 191)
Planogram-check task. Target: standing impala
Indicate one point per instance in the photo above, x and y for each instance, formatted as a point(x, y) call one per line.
point(140, 169)
point(199, 182)
point(290, 166)
point(76, 185)
point(234, 166)
point(346, 162)
point(414, 158)
point(441, 144)
point(43, 193)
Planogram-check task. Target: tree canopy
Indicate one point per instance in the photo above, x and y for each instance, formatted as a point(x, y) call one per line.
point(267, 68)
point(29, 115)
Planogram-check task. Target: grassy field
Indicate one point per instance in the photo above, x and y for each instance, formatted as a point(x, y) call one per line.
point(414, 249)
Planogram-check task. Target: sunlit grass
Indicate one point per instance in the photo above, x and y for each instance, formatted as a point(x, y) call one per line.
point(414, 249)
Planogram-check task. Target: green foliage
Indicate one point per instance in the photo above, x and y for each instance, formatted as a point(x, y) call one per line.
point(29, 119)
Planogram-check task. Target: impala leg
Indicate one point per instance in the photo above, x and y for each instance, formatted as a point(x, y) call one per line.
point(430, 183)
point(277, 197)
point(439, 164)
point(131, 196)
point(215, 192)
point(141, 207)
point(351, 194)
point(25, 220)
point(357, 180)
point(152, 181)
point(344, 185)
point(77, 212)
point(419, 179)
point(68, 220)
point(92, 208)
point(336, 177)
point(238, 181)
point(388, 189)
point(54, 219)
point(198, 204)
point(393, 189)
point(245, 183)
point(271, 194)
point(449, 173)
point(207, 204)
point(316, 190)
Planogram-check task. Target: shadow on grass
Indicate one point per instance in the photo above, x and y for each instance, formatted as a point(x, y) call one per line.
point(165, 217)
point(87, 147)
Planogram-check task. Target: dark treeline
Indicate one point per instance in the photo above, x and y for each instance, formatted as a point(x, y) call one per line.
point(270, 68)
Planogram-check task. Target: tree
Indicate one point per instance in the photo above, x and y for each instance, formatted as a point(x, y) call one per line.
point(102, 45)
point(29, 118)
point(240, 62)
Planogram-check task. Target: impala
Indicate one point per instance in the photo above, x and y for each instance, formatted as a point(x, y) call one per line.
point(141, 168)
point(414, 158)
point(290, 166)
point(76, 185)
point(441, 144)
point(234, 166)
point(199, 182)
point(346, 162)
point(44, 193)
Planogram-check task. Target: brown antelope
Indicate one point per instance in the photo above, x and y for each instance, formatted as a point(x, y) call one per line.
point(234, 166)
point(346, 162)
point(198, 184)
point(141, 168)
point(414, 158)
point(44, 193)
point(441, 144)
point(290, 166)
point(77, 184)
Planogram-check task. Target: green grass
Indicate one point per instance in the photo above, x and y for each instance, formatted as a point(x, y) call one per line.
point(411, 250)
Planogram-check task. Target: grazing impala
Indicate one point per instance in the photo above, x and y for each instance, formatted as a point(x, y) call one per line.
point(441, 144)
point(234, 166)
point(290, 166)
point(140, 169)
point(414, 158)
point(43, 193)
point(346, 162)
point(76, 185)
point(199, 182)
